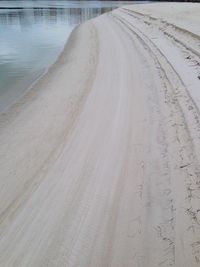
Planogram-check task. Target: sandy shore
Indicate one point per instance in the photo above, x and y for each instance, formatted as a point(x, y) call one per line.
point(99, 162)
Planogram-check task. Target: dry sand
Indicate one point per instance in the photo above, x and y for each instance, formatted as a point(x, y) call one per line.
point(100, 161)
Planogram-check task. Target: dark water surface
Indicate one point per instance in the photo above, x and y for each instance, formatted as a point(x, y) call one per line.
point(33, 34)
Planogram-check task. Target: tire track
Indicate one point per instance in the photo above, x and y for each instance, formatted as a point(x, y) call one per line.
point(160, 23)
point(186, 161)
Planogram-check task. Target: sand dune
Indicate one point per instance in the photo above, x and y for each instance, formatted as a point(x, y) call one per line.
point(100, 161)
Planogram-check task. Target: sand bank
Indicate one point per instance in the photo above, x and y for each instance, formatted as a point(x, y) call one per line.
point(100, 162)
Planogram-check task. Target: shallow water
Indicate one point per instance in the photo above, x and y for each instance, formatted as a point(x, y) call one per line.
point(33, 34)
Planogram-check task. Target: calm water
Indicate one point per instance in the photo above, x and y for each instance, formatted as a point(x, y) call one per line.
point(32, 35)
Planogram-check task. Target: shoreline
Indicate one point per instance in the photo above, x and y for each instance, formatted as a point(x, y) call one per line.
point(33, 84)
point(34, 105)
point(29, 93)
point(26, 89)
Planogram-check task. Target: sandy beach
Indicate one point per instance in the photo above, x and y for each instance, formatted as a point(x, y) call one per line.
point(99, 162)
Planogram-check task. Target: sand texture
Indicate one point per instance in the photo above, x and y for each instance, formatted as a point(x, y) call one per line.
point(99, 162)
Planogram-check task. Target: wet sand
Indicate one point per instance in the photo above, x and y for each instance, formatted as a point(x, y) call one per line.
point(100, 160)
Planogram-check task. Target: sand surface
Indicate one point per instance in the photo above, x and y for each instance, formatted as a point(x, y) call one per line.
point(99, 162)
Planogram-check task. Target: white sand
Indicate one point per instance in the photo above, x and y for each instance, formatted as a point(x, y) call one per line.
point(100, 161)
